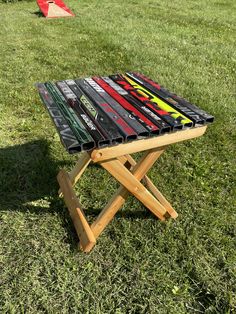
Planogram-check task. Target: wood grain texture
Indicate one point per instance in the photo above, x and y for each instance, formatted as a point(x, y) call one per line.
point(85, 234)
point(153, 189)
point(78, 169)
point(145, 144)
point(132, 183)
point(119, 198)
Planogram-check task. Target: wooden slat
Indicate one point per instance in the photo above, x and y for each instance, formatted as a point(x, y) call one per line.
point(160, 197)
point(145, 144)
point(125, 162)
point(131, 181)
point(85, 234)
point(118, 171)
point(119, 198)
point(153, 189)
point(109, 211)
point(78, 169)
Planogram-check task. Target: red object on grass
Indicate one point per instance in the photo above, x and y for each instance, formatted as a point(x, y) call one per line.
point(54, 9)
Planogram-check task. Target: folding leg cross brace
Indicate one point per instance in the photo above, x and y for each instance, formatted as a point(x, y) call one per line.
point(119, 163)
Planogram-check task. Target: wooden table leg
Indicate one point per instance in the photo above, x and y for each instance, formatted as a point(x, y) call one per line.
point(130, 181)
point(133, 185)
point(85, 234)
point(78, 169)
point(118, 199)
point(153, 188)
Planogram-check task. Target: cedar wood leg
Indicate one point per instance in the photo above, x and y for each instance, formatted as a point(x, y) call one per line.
point(131, 183)
point(85, 234)
point(153, 189)
point(66, 182)
point(117, 162)
point(78, 169)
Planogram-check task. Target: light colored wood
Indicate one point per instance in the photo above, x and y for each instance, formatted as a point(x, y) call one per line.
point(125, 162)
point(109, 211)
point(78, 169)
point(56, 11)
point(85, 234)
point(122, 159)
point(160, 197)
point(147, 161)
point(117, 161)
point(153, 189)
point(132, 184)
point(119, 198)
point(145, 144)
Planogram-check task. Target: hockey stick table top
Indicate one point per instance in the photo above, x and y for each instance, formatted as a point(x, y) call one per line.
point(98, 155)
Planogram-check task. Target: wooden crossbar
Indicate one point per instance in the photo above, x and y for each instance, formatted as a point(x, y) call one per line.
point(145, 144)
point(154, 190)
point(86, 236)
point(129, 173)
point(120, 196)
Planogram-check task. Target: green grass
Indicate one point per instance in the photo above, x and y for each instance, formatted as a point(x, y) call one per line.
point(139, 264)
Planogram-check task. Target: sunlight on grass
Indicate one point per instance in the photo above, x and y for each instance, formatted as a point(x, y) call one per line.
point(139, 264)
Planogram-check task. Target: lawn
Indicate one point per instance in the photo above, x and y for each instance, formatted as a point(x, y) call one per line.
point(139, 265)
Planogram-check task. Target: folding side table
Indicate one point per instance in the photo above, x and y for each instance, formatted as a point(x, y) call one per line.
point(117, 160)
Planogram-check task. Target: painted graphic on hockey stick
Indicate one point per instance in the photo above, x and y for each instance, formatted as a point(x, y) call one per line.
point(173, 98)
point(118, 94)
point(197, 119)
point(128, 117)
point(72, 119)
point(67, 137)
point(173, 112)
point(145, 104)
point(127, 132)
point(102, 122)
point(73, 102)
